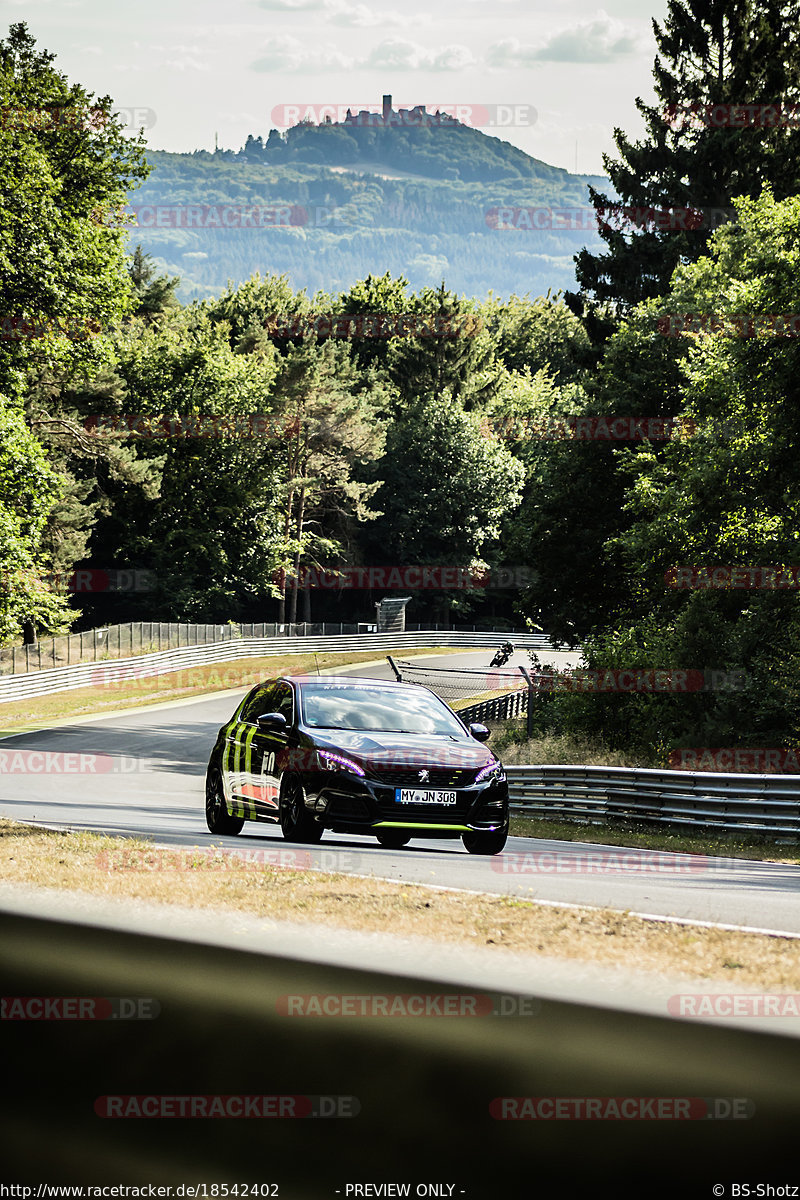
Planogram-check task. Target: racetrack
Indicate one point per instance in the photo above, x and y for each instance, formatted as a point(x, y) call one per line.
point(147, 778)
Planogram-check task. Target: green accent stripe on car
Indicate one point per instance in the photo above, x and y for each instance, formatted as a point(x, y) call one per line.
point(243, 808)
point(419, 825)
point(226, 770)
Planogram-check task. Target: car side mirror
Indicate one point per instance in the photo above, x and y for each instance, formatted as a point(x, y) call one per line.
point(271, 723)
point(479, 732)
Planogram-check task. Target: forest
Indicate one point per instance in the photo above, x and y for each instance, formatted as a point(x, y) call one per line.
point(624, 446)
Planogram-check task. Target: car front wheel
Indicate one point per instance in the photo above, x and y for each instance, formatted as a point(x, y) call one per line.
point(477, 842)
point(297, 823)
point(218, 819)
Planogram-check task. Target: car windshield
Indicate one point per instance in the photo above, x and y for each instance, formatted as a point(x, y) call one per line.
point(384, 710)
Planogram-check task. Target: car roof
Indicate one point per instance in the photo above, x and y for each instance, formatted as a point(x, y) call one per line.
point(362, 680)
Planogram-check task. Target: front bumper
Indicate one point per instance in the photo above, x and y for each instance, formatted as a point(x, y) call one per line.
point(349, 804)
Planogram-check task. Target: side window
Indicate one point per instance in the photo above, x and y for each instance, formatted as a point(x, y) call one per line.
point(260, 701)
point(283, 702)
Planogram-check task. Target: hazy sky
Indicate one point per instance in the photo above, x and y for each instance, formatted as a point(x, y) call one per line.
point(206, 67)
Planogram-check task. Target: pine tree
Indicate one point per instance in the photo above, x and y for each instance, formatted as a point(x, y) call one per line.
point(710, 52)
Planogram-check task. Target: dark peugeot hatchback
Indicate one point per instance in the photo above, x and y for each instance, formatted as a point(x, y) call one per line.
point(356, 756)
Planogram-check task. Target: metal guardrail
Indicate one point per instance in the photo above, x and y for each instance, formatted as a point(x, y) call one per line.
point(103, 674)
point(702, 799)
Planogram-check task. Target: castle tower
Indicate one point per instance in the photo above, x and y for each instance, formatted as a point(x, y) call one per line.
point(387, 109)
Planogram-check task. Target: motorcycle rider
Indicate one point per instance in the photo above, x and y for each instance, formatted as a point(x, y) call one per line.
point(503, 655)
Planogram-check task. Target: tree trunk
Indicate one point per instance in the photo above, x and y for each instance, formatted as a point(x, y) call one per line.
point(299, 530)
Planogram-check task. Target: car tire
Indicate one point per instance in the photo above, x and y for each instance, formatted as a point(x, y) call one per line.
point(218, 819)
point(297, 823)
point(478, 842)
point(393, 839)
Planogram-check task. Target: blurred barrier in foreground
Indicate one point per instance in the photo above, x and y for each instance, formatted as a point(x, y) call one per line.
point(429, 1090)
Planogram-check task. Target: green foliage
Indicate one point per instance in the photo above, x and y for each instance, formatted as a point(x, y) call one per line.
point(726, 494)
point(710, 52)
point(445, 487)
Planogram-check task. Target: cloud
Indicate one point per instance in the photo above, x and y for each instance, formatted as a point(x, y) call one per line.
point(182, 64)
point(342, 12)
point(396, 54)
point(291, 5)
point(601, 40)
point(289, 54)
point(339, 12)
point(286, 53)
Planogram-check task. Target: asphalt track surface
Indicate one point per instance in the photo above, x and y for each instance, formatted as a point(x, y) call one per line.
point(145, 779)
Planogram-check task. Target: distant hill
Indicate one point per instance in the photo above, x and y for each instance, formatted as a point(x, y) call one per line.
point(329, 204)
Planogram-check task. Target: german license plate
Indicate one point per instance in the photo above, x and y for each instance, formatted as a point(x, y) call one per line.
point(423, 796)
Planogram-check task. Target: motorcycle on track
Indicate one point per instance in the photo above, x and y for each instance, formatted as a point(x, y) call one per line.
point(503, 655)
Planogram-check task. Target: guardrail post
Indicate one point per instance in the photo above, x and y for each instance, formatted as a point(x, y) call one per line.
point(529, 706)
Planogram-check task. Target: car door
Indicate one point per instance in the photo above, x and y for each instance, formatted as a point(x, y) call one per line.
point(268, 750)
point(242, 766)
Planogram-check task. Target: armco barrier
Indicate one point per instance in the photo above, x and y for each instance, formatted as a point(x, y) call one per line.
point(767, 804)
point(58, 679)
point(424, 1085)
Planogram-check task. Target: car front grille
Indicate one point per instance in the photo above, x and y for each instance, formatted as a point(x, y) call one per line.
point(440, 777)
point(436, 814)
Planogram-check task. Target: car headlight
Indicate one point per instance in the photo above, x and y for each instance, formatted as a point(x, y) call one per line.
point(493, 771)
point(337, 762)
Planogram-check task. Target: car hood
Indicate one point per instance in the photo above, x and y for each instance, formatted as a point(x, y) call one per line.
point(405, 749)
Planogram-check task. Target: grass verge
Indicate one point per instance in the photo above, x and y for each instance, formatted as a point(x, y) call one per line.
point(510, 742)
point(208, 878)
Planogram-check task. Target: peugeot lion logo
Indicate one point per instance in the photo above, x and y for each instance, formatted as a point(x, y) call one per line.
point(424, 776)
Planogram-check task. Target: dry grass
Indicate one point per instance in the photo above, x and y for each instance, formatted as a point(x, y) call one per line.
point(44, 711)
point(561, 749)
point(207, 879)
